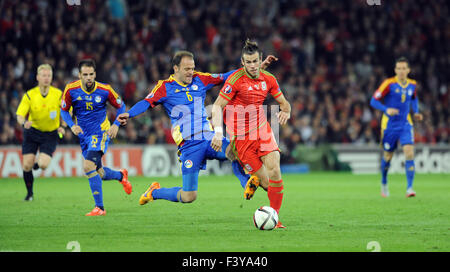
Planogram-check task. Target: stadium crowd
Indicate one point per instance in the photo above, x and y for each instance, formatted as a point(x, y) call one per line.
point(332, 57)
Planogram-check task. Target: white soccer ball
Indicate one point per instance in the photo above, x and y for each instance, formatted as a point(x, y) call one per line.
point(265, 218)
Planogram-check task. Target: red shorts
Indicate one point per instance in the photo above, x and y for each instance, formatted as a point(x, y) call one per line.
point(251, 147)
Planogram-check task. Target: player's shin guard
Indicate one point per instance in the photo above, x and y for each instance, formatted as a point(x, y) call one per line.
point(111, 174)
point(275, 194)
point(95, 182)
point(410, 171)
point(167, 194)
point(384, 170)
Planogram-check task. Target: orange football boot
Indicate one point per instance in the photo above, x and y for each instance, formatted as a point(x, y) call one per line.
point(147, 196)
point(279, 225)
point(125, 183)
point(250, 188)
point(96, 212)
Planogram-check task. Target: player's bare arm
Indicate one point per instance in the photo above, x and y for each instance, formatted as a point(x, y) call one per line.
point(285, 110)
point(139, 108)
point(217, 123)
point(266, 63)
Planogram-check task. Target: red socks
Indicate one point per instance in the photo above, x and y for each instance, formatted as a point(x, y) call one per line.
point(275, 194)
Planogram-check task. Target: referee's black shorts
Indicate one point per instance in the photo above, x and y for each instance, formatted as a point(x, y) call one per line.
point(35, 139)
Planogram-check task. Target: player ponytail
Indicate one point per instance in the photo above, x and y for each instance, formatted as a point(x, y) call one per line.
point(250, 48)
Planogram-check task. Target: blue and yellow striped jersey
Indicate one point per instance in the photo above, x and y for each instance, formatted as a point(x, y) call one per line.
point(184, 104)
point(89, 108)
point(399, 96)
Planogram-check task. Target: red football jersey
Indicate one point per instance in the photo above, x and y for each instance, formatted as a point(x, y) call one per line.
point(245, 112)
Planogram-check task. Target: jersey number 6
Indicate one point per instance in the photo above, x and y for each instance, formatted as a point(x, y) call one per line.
point(189, 96)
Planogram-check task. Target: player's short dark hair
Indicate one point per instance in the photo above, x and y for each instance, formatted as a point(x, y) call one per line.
point(402, 59)
point(179, 55)
point(87, 63)
point(251, 47)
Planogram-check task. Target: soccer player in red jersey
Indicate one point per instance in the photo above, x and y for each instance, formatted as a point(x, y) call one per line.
point(252, 138)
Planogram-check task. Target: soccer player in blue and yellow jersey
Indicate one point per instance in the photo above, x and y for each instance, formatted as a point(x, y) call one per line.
point(41, 106)
point(88, 98)
point(400, 95)
point(183, 95)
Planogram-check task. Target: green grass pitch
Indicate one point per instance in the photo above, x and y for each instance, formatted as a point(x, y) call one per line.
point(322, 212)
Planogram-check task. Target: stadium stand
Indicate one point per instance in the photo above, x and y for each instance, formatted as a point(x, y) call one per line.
point(332, 57)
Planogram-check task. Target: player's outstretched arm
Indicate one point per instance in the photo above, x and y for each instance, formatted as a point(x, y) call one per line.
point(139, 108)
point(266, 63)
point(217, 122)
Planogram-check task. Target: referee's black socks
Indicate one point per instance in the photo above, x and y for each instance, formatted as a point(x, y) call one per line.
point(28, 178)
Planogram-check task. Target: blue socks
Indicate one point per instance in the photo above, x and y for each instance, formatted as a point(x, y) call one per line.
point(167, 194)
point(112, 174)
point(240, 173)
point(410, 171)
point(95, 182)
point(190, 183)
point(384, 170)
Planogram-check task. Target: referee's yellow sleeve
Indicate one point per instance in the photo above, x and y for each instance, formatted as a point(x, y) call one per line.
point(24, 106)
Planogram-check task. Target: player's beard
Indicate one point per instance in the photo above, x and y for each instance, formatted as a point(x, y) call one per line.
point(89, 87)
point(254, 75)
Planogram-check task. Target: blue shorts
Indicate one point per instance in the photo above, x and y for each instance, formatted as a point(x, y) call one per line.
point(94, 142)
point(193, 155)
point(390, 137)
